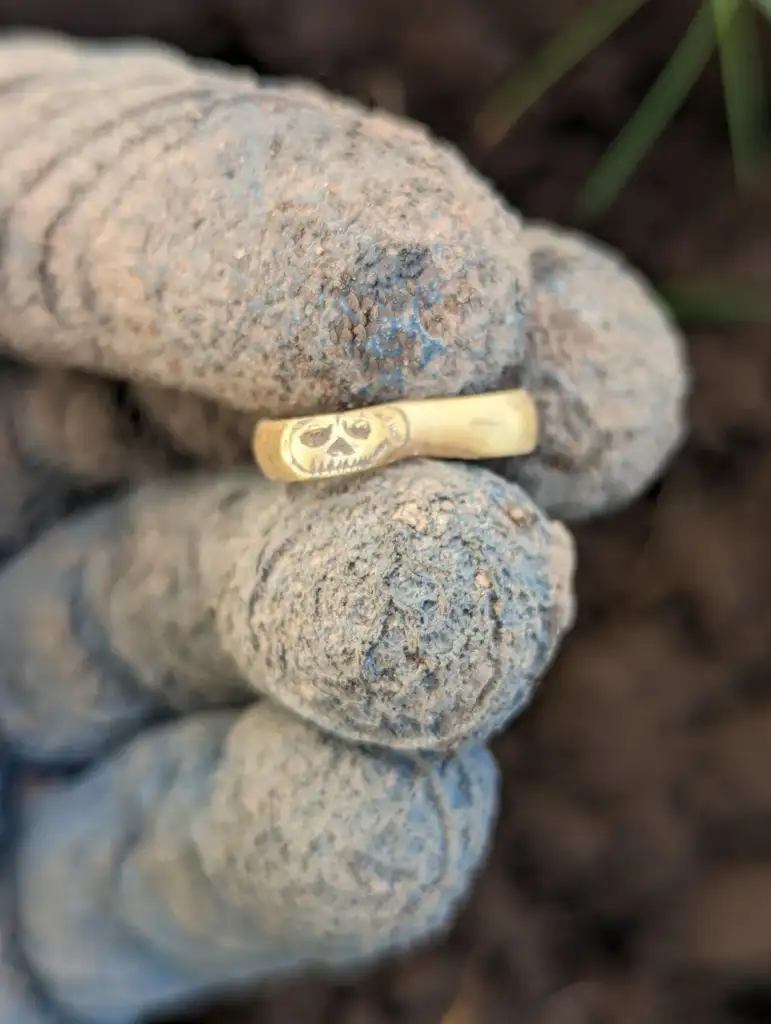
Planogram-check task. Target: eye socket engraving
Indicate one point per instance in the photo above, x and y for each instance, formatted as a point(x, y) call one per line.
point(316, 437)
point(360, 429)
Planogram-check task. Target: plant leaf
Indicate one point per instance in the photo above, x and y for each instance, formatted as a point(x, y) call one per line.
point(652, 117)
point(523, 89)
point(714, 304)
point(764, 6)
point(743, 84)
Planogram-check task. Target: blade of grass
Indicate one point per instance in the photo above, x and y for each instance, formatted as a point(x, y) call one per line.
point(743, 85)
point(717, 304)
point(523, 89)
point(764, 6)
point(651, 118)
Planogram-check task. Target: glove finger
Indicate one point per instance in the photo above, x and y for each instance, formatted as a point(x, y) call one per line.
point(66, 439)
point(20, 1000)
point(275, 251)
point(222, 850)
point(609, 376)
point(411, 608)
point(268, 248)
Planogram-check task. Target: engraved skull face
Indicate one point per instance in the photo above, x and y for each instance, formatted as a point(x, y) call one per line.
point(345, 443)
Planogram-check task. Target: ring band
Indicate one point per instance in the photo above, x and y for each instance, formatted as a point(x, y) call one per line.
point(490, 426)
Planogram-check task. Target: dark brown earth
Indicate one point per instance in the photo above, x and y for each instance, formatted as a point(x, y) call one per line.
point(631, 881)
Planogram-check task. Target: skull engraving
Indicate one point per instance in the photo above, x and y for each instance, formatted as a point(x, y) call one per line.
point(346, 443)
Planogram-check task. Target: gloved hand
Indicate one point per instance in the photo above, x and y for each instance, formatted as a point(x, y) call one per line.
point(246, 723)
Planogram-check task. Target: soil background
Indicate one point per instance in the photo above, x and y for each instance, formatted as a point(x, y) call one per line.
point(631, 878)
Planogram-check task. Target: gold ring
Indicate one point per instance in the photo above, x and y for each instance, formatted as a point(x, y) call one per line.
point(489, 426)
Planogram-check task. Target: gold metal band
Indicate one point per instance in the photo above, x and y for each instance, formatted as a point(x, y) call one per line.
point(489, 426)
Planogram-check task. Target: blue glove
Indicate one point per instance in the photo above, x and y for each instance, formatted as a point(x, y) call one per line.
point(245, 724)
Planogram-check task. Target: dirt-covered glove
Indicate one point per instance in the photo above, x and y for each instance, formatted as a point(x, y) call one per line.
point(246, 722)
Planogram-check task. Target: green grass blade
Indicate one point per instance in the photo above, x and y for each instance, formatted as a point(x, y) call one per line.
point(743, 84)
point(714, 305)
point(651, 118)
point(764, 6)
point(523, 89)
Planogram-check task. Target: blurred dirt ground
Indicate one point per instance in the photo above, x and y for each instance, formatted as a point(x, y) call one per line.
point(631, 879)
